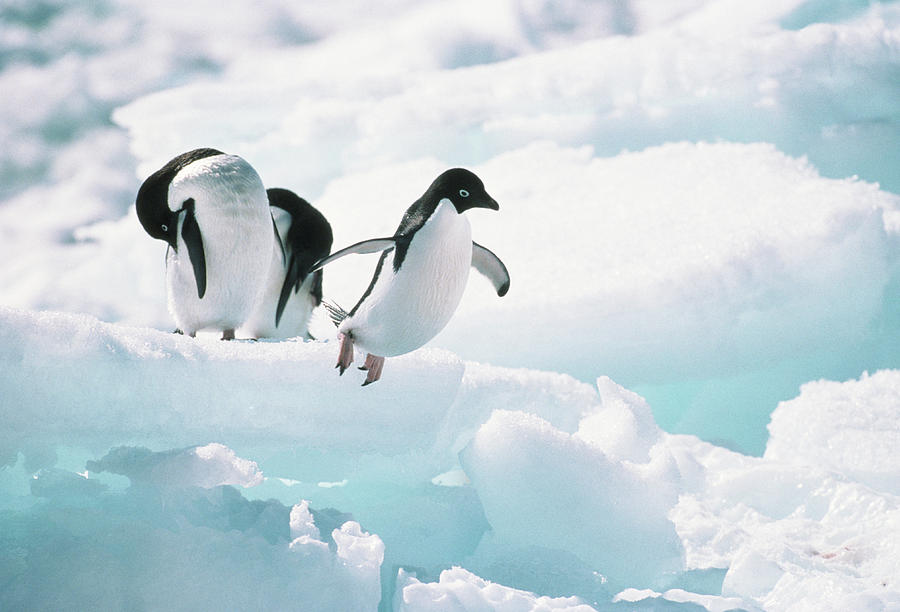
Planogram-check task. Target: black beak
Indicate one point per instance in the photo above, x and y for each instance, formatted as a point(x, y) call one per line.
point(490, 202)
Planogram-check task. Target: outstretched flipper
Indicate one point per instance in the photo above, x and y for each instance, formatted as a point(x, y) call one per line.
point(490, 265)
point(190, 232)
point(375, 245)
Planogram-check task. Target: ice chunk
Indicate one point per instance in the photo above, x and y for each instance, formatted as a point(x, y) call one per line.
point(65, 376)
point(852, 428)
point(542, 487)
point(789, 534)
point(156, 547)
point(461, 591)
point(358, 548)
point(206, 466)
point(302, 523)
point(654, 600)
point(623, 427)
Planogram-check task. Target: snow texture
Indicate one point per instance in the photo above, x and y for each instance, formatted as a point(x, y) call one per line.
point(672, 409)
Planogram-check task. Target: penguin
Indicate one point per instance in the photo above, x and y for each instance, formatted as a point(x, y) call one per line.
point(212, 210)
point(303, 237)
point(420, 276)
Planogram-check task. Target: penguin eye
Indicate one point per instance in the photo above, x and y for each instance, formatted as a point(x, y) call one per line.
point(464, 193)
point(165, 227)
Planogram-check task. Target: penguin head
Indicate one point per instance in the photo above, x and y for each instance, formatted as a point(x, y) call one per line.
point(152, 201)
point(463, 188)
point(154, 213)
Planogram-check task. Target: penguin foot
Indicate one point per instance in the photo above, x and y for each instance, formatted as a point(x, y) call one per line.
point(228, 334)
point(370, 360)
point(345, 355)
point(374, 366)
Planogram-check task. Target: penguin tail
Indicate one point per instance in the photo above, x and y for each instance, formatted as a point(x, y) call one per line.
point(336, 313)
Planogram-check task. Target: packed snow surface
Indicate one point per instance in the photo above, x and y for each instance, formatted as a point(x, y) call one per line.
point(689, 399)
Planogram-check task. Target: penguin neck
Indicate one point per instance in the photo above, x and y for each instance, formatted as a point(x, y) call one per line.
point(445, 229)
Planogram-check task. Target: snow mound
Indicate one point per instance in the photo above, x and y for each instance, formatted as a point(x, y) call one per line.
point(610, 514)
point(851, 428)
point(461, 591)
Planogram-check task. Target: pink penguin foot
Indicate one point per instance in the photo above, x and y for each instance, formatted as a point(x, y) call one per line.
point(345, 354)
point(374, 366)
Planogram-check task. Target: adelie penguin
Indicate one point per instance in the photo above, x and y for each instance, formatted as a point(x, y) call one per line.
point(421, 275)
point(303, 237)
point(212, 210)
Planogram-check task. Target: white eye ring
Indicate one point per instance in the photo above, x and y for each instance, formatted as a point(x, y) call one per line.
point(464, 193)
point(165, 228)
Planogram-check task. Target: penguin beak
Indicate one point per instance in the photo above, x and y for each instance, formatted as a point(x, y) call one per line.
point(490, 202)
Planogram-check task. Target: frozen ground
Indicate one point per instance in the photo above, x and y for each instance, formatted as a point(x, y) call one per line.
point(688, 398)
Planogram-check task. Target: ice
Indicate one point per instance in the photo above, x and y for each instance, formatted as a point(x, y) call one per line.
point(206, 466)
point(247, 392)
point(552, 504)
point(849, 428)
point(145, 547)
point(700, 216)
point(652, 600)
point(790, 535)
point(461, 591)
point(538, 485)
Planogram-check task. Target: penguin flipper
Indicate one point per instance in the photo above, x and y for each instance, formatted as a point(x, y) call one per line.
point(490, 265)
point(290, 281)
point(316, 290)
point(190, 232)
point(279, 241)
point(294, 276)
point(375, 245)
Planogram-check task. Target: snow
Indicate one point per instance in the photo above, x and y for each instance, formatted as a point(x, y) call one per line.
point(459, 590)
point(688, 399)
point(569, 511)
point(519, 461)
point(844, 428)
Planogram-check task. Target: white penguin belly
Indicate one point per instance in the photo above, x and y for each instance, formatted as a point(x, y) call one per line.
point(232, 211)
point(408, 308)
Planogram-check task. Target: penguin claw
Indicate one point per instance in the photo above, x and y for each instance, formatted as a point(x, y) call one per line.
point(374, 366)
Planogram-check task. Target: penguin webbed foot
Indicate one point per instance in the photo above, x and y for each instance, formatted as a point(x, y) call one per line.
point(374, 366)
point(228, 334)
point(345, 354)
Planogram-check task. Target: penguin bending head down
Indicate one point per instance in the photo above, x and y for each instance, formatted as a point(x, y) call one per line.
point(303, 237)
point(211, 209)
point(421, 275)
